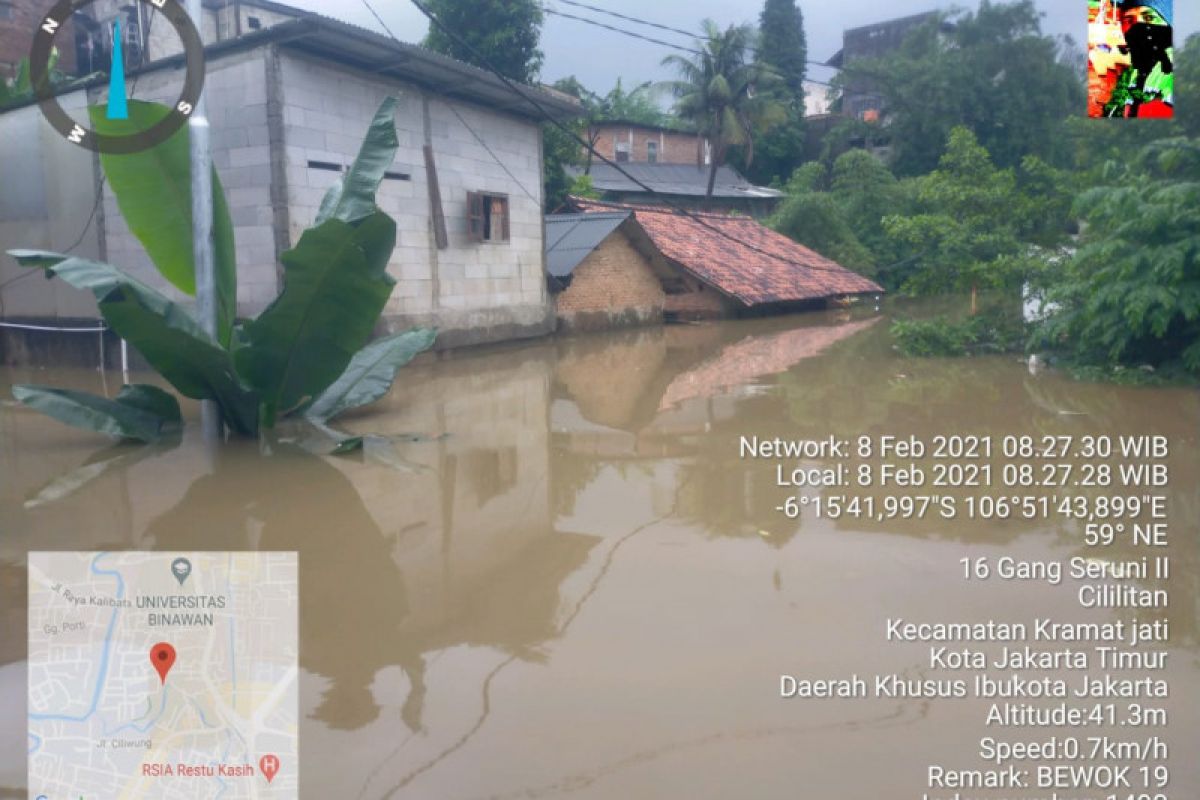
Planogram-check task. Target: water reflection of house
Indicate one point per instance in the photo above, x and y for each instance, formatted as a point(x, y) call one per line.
point(635, 394)
point(707, 265)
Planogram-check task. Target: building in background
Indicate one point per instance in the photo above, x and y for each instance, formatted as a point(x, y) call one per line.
point(817, 101)
point(684, 185)
point(861, 98)
point(638, 143)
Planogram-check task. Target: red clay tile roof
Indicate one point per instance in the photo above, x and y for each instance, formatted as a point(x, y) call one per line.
point(768, 268)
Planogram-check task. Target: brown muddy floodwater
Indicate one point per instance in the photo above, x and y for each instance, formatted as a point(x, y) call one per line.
point(572, 586)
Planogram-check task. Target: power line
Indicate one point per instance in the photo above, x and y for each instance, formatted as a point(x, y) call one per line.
point(628, 18)
point(433, 19)
point(622, 31)
point(637, 20)
point(495, 158)
point(635, 35)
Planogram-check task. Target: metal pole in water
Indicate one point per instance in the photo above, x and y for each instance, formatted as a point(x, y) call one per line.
point(202, 224)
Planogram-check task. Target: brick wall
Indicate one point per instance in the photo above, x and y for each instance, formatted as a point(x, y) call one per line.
point(698, 302)
point(614, 286)
point(18, 20)
point(673, 148)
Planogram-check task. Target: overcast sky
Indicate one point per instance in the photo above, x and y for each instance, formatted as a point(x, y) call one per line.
point(598, 57)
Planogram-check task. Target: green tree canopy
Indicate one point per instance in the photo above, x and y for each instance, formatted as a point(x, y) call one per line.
point(965, 229)
point(727, 97)
point(1187, 71)
point(504, 32)
point(783, 47)
point(992, 71)
point(1131, 294)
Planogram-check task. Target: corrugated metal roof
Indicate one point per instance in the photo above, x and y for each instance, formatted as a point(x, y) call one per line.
point(689, 180)
point(570, 238)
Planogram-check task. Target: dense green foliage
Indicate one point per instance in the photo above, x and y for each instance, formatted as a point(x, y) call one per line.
point(994, 330)
point(964, 229)
point(819, 219)
point(782, 48)
point(724, 95)
point(992, 71)
point(304, 354)
point(1187, 75)
point(503, 33)
point(1131, 295)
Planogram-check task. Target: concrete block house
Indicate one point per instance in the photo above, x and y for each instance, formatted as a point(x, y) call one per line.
point(289, 103)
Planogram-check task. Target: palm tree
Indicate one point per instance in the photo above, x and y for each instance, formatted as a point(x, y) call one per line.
point(728, 97)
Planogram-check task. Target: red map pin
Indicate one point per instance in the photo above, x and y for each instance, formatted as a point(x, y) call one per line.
point(269, 765)
point(162, 656)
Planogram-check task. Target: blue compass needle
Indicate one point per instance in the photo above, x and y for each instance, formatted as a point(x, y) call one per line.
point(118, 107)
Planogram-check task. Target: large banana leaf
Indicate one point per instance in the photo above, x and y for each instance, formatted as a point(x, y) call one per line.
point(353, 197)
point(161, 330)
point(335, 287)
point(371, 373)
point(154, 192)
point(139, 412)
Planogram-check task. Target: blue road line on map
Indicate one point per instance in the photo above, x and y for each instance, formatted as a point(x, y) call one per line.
point(203, 719)
point(224, 759)
point(103, 676)
point(143, 728)
point(36, 744)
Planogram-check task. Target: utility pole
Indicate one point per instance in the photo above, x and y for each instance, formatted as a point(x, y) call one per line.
point(202, 227)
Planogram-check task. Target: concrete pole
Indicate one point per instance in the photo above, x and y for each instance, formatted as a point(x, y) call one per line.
point(202, 227)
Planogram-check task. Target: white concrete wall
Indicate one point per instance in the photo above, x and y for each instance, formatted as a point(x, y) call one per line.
point(473, 291)
point(47, 191)
point(237, 106)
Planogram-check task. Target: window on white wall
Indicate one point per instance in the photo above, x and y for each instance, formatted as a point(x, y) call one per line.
point(487, 217)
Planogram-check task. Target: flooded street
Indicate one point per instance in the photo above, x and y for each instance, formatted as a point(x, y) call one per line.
point(563, 581)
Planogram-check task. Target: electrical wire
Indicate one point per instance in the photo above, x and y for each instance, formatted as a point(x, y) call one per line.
point(622, 31)
point(628, 18)
point(486, 64)
point(637, 20)
point(495, 158)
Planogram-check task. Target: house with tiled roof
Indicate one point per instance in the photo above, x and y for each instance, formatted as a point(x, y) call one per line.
point(725, 265)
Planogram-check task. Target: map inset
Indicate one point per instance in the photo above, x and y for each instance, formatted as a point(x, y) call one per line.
point(163, 675)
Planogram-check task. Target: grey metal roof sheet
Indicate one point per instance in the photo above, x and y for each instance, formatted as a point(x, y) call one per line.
point(570, 238)
point(675, 179)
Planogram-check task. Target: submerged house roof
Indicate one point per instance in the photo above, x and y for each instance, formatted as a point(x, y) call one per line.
point(686, 180)
point(740, 257)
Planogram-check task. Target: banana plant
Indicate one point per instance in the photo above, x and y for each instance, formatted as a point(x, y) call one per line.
point(306, 355)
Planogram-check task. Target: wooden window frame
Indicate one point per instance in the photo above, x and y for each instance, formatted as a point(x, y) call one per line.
point(480, 222)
